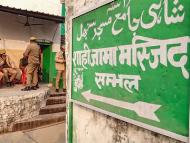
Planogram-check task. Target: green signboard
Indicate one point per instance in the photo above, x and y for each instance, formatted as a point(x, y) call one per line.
point(130, 59)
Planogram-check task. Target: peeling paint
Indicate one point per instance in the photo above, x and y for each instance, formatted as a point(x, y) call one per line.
point(93, 127)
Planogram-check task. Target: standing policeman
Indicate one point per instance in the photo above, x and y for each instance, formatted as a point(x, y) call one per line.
point(60, 67)
point(33, 54)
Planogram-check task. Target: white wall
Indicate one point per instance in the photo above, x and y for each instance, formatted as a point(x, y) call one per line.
point(93, 127)
point(46, 6)
point(15, 36)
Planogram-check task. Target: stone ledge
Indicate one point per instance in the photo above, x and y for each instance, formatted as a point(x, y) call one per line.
point(17, 105)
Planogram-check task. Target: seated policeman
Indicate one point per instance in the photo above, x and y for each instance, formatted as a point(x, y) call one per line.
point(8, 68)
point(1, 75)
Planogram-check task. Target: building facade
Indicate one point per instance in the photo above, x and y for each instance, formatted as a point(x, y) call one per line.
point(15, 34)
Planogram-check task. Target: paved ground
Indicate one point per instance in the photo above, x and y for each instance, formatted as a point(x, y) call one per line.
point(16, 90)
point(49, 134)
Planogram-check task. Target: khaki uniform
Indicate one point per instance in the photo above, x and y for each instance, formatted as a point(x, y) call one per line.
point(60, 67)
point(33, 54)
point(8, 68)
point(1, 76)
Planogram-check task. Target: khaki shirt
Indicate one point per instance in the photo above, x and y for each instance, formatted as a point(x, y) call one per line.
point(33, 53)
point(60, 61)
point(7, 61)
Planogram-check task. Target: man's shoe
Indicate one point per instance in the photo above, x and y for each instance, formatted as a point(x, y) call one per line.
point(33, 88)
point(57, 90)
point(37, 86)
point(27, 88)
point(8, 84)
point(12, 84)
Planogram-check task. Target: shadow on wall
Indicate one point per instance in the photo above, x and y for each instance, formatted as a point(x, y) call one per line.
point(16, 30)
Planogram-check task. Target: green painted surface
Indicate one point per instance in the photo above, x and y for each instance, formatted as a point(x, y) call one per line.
point(162, 65)
point(63, 14)
point(62, 29)
point(70, 122)
point(46, 63)
point(53, 70)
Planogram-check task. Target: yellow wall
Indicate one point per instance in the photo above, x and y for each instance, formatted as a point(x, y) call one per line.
point(15, 55)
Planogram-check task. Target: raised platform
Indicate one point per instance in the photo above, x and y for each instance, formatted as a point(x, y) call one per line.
point(54, 112)
point(16, 90)
point(17, 105)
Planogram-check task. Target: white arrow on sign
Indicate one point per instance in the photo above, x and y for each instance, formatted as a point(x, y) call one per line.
point(142, 109)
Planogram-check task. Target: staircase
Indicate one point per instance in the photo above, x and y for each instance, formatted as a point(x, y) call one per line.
point(53, 112)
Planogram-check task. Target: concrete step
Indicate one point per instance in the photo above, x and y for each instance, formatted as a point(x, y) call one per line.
point(53, 109)
point(53, 94)
point(39, 121)
point(56, 100)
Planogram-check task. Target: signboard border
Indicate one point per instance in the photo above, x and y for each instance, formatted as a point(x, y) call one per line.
point(128, 120)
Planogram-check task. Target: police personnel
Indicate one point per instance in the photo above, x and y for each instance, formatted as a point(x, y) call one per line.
point(33, 54)
point(60, 67)
point(1, 76)
point(8, 68)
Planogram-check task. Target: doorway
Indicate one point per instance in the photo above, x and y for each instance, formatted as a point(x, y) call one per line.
point(46, 48)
